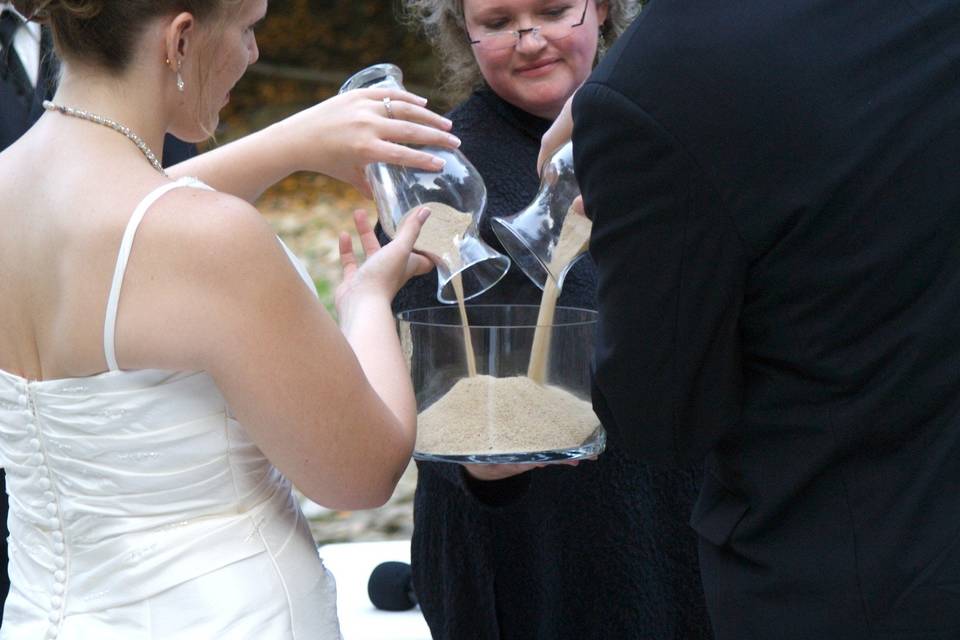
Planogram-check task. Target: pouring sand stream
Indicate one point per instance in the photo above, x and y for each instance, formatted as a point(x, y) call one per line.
point(440, 240)
point(574, 236)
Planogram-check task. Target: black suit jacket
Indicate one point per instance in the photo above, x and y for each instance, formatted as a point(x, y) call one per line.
point(21, 104)
point(776, 204)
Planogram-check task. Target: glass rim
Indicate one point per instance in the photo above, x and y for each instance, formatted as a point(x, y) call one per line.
point(544, 267)
point(498, 260)
point(514, 235)
point(372, 75)
point(455, 314)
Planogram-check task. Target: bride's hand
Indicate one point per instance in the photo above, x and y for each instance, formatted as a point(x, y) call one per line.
point(340, 136)
point(385, 269)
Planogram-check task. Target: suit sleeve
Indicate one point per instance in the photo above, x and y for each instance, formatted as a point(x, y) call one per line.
point(671, 265)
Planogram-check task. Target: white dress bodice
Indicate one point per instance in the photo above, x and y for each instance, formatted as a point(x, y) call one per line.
point(139, 508)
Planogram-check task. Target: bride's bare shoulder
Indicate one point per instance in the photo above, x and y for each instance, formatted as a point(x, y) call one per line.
point(205, 262)
point(201, 217)
point(216, 236)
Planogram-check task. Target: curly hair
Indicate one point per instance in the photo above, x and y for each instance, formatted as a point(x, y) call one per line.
point(443, 23)
point(104, 31)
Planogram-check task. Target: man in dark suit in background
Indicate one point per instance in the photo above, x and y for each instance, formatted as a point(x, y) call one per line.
point(28, 76)
point(775, 189)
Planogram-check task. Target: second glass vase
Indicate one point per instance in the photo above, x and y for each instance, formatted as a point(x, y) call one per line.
point(535, 237)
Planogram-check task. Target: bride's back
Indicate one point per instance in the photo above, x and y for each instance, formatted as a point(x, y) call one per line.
point(135, 491)
point(64, 211)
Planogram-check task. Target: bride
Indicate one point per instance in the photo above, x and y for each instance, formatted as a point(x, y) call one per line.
point(165, 365)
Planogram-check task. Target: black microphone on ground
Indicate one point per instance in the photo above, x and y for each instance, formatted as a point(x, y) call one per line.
point(391, 587)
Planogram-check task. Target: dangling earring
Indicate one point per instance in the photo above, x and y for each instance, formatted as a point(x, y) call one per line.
point(179, 77)
point(601, 44)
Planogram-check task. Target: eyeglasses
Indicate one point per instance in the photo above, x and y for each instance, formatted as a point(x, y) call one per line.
point(554, 29)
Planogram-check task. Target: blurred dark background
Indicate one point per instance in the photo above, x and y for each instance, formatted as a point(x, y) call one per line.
point(309, 47)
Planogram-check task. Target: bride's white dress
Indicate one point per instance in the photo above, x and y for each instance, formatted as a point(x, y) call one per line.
point(139, 508)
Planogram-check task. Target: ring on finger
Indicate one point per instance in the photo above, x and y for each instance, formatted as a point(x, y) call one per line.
point(387, 107)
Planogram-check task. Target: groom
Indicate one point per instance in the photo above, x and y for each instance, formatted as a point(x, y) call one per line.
point(775, 188)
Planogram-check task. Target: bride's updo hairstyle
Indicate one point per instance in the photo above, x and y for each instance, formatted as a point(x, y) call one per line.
point(103, 32)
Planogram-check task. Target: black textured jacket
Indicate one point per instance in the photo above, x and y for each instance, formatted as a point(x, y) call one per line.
point(783, 214)
point(602, 550)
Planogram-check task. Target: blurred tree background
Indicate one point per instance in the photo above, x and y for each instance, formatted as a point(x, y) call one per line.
point(308, 48)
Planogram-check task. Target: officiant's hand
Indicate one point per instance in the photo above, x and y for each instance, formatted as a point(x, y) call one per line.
point(502, 471)
point(343, 134)
point(384, 269)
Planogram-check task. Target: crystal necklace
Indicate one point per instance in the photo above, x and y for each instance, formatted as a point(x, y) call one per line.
point(106, 122)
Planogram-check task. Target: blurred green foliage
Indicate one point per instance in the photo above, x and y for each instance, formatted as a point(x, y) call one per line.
point(325, 292)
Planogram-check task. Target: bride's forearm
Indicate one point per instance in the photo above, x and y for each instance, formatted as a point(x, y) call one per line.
point(337, 137)
point(244, 168)
point(370, 329)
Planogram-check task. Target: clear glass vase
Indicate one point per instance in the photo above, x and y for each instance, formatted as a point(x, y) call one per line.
point(501, 415)
point(532, 237)
point(399, 190)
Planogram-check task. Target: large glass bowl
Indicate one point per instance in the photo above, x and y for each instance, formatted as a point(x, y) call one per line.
point(500, 415)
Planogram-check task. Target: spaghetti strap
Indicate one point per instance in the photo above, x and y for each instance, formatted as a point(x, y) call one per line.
point(110, 321)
